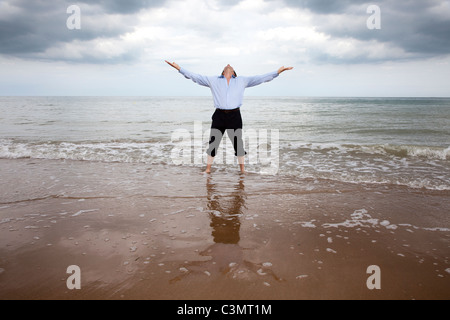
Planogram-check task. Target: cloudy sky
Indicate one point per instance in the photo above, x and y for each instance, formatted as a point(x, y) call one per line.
point(121, 46)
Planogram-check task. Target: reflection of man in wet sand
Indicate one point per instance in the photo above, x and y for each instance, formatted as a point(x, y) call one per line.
point(227, 256)
point(225, 221)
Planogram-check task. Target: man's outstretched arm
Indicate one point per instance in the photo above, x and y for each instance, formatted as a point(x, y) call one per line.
point(257, 80)
point(199, 79)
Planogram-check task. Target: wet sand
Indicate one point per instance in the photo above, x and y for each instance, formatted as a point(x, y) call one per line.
point(142, 231)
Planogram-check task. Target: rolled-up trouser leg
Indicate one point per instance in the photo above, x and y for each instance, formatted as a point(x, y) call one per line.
point(235, 136)
point(214, 141)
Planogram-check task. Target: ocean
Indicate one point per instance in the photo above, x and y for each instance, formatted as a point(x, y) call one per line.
point(391, 141)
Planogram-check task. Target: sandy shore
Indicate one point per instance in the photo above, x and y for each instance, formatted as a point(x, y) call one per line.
point(152, 232)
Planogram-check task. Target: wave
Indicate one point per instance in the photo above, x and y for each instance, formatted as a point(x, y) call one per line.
point(412, 166)
point(115, 151)
point(141, 151)
point(399, 151)
point(415, 151)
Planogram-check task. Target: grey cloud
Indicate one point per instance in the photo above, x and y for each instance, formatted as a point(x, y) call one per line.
point(40, 25)
point(425, 35)
point(324, 6)
point(229, 3)
point(408, 24)
point(125, 6)
point(30, 30)
point(415, 29)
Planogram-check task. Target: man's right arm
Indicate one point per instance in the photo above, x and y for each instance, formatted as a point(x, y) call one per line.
point(199, 79)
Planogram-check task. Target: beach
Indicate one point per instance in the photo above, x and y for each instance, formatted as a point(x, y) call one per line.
point(148, 231)
point(344, 198)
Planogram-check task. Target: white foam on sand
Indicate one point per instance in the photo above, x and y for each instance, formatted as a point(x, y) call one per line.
point(5, 220)
point(437, 229)
point(361, 218)
point(306, 224)
point(84, 211)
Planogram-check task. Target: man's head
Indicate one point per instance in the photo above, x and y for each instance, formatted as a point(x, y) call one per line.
point(229, 70)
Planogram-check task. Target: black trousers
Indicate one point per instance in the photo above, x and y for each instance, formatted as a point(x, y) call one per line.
point(230, 121)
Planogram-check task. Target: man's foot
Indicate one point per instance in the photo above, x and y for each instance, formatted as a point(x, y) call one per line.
point(209, 166)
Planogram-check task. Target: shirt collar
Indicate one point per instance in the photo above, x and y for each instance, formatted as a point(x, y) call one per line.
point(221, 77)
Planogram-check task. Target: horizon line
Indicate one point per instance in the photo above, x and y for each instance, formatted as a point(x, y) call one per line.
point(206, 96)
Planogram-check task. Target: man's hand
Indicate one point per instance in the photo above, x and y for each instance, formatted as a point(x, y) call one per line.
point(283, 69)
point(174, 65)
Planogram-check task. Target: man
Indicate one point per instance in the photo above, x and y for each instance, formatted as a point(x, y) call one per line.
point(228, 93)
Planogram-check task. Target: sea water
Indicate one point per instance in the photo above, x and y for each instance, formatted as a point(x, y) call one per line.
point(393, 141)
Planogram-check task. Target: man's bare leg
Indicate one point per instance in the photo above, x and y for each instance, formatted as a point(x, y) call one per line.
point(209, 164)
point(241, 161)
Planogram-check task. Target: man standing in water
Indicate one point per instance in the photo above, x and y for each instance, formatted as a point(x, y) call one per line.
point(228, 93)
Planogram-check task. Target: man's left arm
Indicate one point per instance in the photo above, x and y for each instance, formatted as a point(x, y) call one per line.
point(257, 80)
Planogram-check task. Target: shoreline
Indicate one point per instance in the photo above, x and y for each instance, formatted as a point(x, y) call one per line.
point(140, 231)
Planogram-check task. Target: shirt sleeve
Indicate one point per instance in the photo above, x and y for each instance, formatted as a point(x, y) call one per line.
point(197, 78)
point(257, 80)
